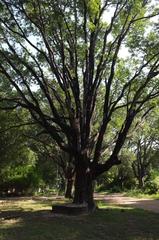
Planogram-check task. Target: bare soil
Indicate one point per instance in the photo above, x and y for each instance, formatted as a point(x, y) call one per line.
point(120, 199)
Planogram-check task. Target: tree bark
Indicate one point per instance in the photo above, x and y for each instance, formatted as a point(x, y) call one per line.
point(80, 185)
point(141, 182)
point(69, 185)
point(84, 187)
point(90, 191)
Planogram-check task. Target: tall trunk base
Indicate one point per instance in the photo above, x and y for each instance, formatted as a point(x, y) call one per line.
point(68, 192)
point(141, 183)
point(84, 189)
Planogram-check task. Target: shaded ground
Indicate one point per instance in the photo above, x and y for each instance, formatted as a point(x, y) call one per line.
point(31, 219)
point(120, 199)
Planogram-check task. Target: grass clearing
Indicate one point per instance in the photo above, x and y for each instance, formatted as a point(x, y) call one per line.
point(31, 219)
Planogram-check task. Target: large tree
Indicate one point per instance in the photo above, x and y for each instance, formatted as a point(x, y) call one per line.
point(65, 61)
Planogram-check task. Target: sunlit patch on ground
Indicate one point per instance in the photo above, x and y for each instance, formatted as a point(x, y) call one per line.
point(23, 205)
point(10, 222)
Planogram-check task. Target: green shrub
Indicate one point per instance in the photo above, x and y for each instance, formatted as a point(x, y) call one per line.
point(152, 185)
point(21, 183)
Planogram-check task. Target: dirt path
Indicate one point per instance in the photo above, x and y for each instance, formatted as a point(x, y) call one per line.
point(120, 199)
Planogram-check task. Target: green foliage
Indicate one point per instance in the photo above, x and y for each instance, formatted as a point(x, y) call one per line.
point(119, 178)
point(18, 174)
point(152, 185)
point(19, 181)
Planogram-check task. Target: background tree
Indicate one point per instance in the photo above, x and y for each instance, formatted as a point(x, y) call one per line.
point(17, 161)
point(50, 157)
point(145, 145)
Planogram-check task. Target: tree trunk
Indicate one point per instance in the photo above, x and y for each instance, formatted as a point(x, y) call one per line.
point(141, 182)
point(84, 188)
point(90, 192)
point(68, 191)
point(69, 176)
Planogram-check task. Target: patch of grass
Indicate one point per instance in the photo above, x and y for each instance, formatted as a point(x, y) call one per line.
point(31, 219)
